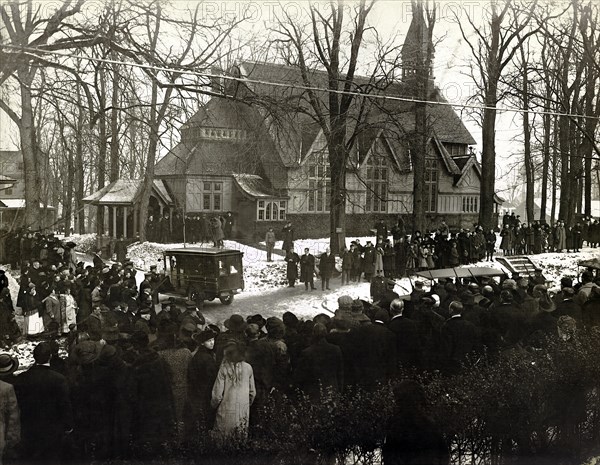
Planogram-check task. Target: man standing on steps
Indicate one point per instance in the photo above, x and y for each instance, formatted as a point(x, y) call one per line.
point(307, 269)
point(326, 267)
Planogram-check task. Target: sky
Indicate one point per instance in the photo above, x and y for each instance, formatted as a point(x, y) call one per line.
point(391, 20)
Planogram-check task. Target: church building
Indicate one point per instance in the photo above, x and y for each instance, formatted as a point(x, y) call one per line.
point(267, 162)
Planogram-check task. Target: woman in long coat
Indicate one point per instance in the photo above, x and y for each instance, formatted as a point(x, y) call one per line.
point(233, 394)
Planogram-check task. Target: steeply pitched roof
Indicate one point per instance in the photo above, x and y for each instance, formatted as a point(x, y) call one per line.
point(214, 157)
point(444, 121)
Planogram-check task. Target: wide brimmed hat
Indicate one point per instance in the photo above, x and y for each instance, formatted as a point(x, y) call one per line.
point(86, 352)
point(235, 323)
point(204, 336)
point(8, 364)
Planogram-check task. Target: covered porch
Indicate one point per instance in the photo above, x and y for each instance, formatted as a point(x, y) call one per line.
point(121, 200)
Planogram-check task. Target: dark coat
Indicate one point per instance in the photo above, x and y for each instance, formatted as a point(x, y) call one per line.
point(202, 372)
point(292, 260)
point(343, 340)
point(154, 408)
point(591, 312)
point(261, 354)
point(102, 396)
point(408, 347)
point(568, 308)
point(326, 265)
point(46, 413)
point(374, 352)
point(307, 267)
point(460, 337)
point(320, 367)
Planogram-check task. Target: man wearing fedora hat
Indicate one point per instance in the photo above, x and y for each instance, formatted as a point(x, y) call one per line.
point(10, 423)
point(8, 365)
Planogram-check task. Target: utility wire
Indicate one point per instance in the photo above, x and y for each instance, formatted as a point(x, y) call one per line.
point(294, 86)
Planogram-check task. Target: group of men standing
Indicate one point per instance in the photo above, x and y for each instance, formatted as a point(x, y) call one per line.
point(198, 228)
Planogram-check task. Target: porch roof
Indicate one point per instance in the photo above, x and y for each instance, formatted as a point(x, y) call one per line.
point(126, 192)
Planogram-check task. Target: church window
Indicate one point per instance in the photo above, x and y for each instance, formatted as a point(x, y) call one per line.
point(431, 185)
point(376, 182)
point(272, 210)
point(319, 183)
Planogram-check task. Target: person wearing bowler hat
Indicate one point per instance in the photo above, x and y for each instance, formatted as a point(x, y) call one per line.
point(202, 372)
point(10, 421)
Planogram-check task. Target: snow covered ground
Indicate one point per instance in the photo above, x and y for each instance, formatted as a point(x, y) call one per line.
point(266, 290)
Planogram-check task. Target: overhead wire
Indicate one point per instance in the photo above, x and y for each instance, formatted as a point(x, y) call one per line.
point(288, 85)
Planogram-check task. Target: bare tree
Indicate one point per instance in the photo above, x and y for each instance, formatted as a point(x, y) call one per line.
point(506, 24)
point(28, 26)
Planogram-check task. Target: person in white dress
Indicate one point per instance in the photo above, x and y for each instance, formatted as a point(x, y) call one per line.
point(233, 394)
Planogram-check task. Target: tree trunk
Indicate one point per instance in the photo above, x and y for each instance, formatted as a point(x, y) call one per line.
point(488, 162)
point(529, 174)
point(79, 169)
point(114, 127)
point(546, 159)
point(102, 141)
point(29, 152)
point(337, 201)
point(554, 173)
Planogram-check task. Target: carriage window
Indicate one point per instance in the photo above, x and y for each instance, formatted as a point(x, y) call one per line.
point(233, 269)
point(223, 271)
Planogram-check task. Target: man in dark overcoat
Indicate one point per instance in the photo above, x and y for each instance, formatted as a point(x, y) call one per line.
point(406, 331)
point(46, 413)
point(459, 337)
point(307, 269)
point(291, 259)
point(320, 366)
point(326, 267)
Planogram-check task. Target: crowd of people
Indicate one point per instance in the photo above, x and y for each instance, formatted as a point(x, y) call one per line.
point(198, 228)
point(135, 379)
point(519, 238)
point(138, 374)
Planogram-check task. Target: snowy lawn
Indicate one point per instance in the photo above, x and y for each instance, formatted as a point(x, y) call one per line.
point(266, 290)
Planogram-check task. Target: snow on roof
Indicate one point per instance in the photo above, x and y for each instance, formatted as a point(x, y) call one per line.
point(16, 204)
point(125, 192)
point(254, 186)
